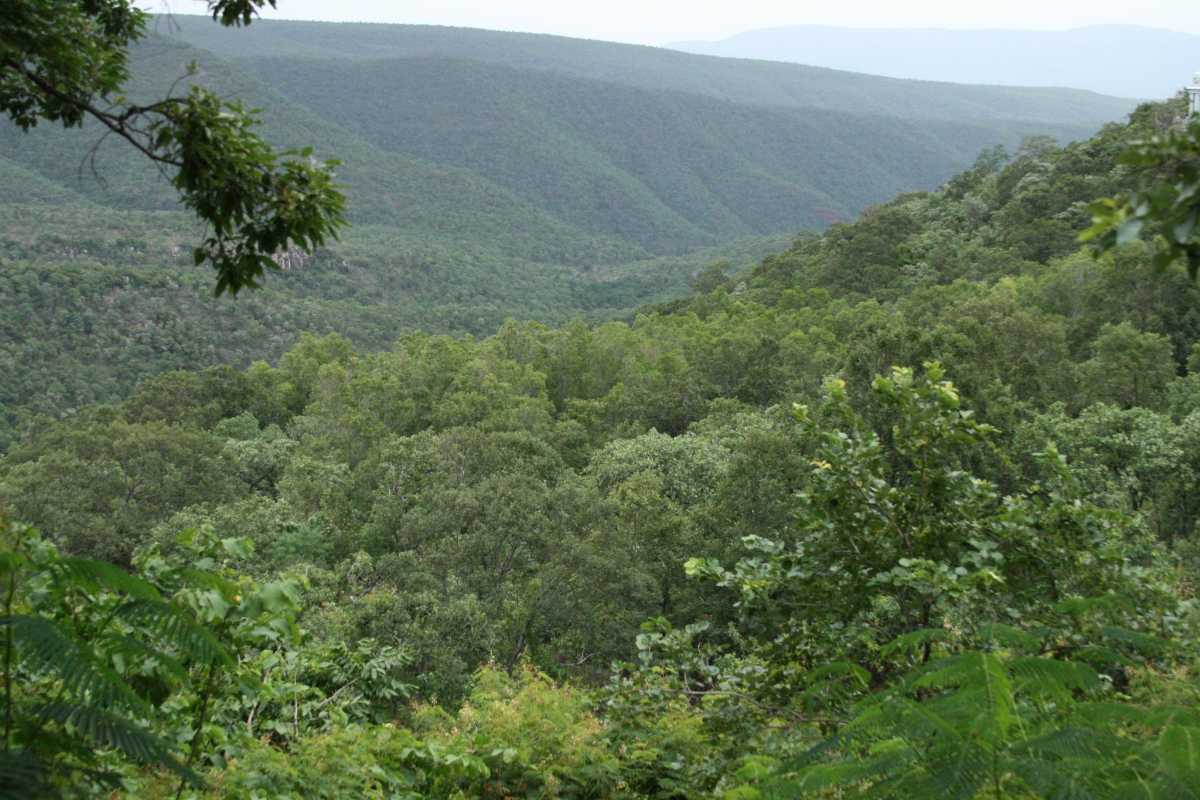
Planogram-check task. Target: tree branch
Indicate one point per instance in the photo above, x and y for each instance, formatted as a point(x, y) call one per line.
point(120, 124)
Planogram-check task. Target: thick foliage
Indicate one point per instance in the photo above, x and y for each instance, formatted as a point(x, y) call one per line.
point(1167, 201)
point(430, 557)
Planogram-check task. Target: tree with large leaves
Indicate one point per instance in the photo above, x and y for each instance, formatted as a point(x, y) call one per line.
point(66, 61)
point(1166, 202)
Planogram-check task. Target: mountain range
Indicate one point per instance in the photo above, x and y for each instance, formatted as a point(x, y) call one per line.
point(1122, 60)
point(489, 175)
point(569, 150)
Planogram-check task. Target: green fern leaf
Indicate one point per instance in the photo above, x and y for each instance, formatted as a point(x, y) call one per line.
point(1081, 744)
point(913, 641)
point(24, 776)
point(1062, 780)
point(921, 719)
point(954, 774)
point(1109, 716)
point(1010, 636)
point(840, 679)
point(1136, 789)
point(1140, 643)
point(106, 730)
point(174, 626)
point(45, 649)
point(1082, 606)
point(887, 759)
point(96, 575)
point(984, 697)
point(1165, 716)
point(999, 714)
point(1053, 678)
point(135, 651)
point(827, 776)
point(944, 673)
point(1103, 656)
point(1178, 750)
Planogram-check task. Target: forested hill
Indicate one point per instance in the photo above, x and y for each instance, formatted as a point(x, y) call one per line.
point(754, 82)
point(415, 197)
point(489, 175)
point(439, 139)
point(663, 170)
point(754, 543)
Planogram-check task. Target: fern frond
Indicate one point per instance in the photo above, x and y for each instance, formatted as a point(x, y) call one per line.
point(106, 730)
point(956, 774)
point(827, 776)
point(1102, 656)
point(1083, 744)
point(1110, 715)
point(1083, 606)
point(23, 776)
point(176, 628)
point(1135, 789)
point(1050, 677)
point(96, 575)
point(1062, 780)
point(1140, 643)
point(874, 712)
point(1163, 716)
point(1010, 636)
point(913, 641)
point(43, 648)
point(1178, 751)
point(208, 580)
point(976, 695)
point(944, 673)
point(923, 720)
point(999, 713)
point(134, 650)
point(837, 680)
point(887, 758)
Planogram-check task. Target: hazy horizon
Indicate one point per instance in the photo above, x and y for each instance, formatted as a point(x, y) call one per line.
point(669, 21)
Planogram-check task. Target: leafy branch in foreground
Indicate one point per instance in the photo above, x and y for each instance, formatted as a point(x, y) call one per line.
point(922, 633)
point(1000, 724)
point(111, 678)
point(68, 698)
point(1168, 203)
point(67, 62)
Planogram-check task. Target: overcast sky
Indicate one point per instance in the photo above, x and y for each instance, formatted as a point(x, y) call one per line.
point(661, 21)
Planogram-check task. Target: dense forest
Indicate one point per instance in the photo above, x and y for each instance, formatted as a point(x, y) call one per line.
point(906, 510)
point(488, 176)
point(99, 299)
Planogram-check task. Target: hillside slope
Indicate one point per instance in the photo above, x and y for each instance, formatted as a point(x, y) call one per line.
point(763, 83)
point(547, 165)
point(489, 176)
point(663, 169)
point(418, 198)
point(96, 300)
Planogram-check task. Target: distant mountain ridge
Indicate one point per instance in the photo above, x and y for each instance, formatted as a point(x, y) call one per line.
point(569, 151)
point(1121, 60)
point(653, 68)
point(489, 176)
